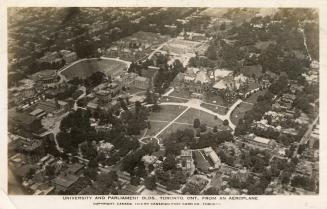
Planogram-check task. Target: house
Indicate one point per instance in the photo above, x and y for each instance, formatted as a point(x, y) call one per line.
point(105, 147)
point(196, 81)
point(186, 161)
point(197, 181)
point(304, 167)
point(149, 160)
point(68, 56)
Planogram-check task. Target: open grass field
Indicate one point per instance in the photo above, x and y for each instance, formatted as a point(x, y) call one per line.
point(155, 128)
point(167, 113)
point(217, 109)
point(239, 112)
point(191, 114)
point(86, 68)
point(181, 93)
point(173, 99)
point(173, 128)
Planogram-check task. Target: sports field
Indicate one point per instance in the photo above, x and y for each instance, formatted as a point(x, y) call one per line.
point(86, 68)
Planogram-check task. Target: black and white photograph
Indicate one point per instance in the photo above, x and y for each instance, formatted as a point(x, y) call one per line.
point(158, 102)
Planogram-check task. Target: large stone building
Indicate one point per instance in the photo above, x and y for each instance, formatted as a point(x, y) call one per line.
point(45, 77)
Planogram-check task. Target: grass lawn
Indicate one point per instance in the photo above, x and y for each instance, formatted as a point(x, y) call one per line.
point(173, 128)
point(86, 68)
point(215, 108)
point(191, 114)
point(253, 98)
point(181, 93)
point(167, 113)
point(239, 112)
point(155, 128)
point(173, 99)
point(214, 99)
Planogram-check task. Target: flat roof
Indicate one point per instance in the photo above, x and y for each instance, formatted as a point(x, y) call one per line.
point(261, 140)
point(36, 112)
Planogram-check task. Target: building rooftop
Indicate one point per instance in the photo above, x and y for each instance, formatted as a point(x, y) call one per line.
point(261, 140)
point(140, 78)
point(202, 77)
point(36, 112)
point(220, 85)
point(222, 73)
point(44, 74)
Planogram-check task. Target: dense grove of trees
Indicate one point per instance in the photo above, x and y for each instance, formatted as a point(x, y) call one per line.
point(176, 141)
point(263, 105)
point(303, 182)
point(166, 73)
point(255, 160)
point(132, 162)
point(75, 130)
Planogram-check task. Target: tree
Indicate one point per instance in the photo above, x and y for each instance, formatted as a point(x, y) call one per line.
point(150, 182)
point(196, 123)
point(225, 122)
point(203, 127)
point(50, 170)
point(30, 173)
point(92, 163)
point(285, 177)
point(169, 163)
point(88, 150)
point(212, 53)
point(215, 129)
point(148, 97)
point(222, 26)
point(91, 173)
point(211, 191)
point(135, 180)
point(150, 168)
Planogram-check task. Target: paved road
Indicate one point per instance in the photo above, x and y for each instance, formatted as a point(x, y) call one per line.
point(306, 136)
point(171, 90)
